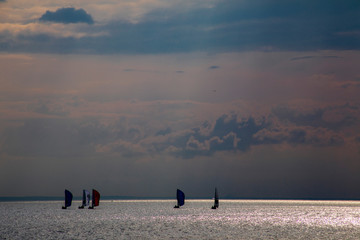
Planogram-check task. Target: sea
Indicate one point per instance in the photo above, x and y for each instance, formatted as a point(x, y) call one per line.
point(157, 219)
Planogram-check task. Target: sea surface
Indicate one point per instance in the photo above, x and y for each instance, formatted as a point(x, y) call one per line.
point(157, 219)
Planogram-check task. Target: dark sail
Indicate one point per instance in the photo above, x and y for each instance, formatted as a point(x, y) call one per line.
point(95, 199)
point(68, 198)
point(216, 200)
point(84, 198)
point(216, 204)
point(180, 197)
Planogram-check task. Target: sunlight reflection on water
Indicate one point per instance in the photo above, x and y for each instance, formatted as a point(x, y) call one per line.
point(157, 219)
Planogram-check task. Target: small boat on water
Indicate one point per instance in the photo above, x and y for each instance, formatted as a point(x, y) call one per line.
point(95, 199)
point(216, 200)
point(180, 196)
point(68, 199)
point(85, 199)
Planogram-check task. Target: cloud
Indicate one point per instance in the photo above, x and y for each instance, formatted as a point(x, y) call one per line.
point(227, 134)
point(164, 131)
point(230, 134)
point(139, 70)
point(47, 108)
point(312, 57)
point(307, 136)
point(133, 146)
point(224, 26)
point(67, 15)
point(214, 67)
point(134, 137)
point(334, 117)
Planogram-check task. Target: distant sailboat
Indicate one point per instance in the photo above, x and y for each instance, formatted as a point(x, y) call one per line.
point(180, 196)
point(68, 199)
point(216, 200)
point(95, 199)
point(85, 199)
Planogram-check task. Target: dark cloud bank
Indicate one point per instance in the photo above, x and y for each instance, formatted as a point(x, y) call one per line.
point(230, 25)
point(228, 133)
point(214, 153)
point(67, 15)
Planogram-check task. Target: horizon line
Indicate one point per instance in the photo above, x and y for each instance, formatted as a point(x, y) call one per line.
point(112, 197)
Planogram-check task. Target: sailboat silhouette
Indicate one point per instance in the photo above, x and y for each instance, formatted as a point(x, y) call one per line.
point(180, 196)
point(95, 199)
point(216, 200)
point(85, 199)
point(68, 199)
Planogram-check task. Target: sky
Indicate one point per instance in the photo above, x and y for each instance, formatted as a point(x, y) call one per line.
point(138, 98)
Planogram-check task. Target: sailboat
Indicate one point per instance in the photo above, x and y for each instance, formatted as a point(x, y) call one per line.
point(85, 199)
point(95, 199)
point(180, 196)
point(216, 200)
point(68, 199)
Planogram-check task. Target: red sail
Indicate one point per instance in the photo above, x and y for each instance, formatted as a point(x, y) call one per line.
point(96, 197)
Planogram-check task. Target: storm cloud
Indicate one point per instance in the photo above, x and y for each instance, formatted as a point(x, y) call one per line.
point(67, 15)
point(225, 26)
point(246, 145)
point(124, 137)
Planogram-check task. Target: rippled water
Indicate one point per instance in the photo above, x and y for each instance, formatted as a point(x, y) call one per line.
point(152, 219)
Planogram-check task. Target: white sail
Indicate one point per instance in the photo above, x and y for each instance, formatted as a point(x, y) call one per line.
point(87, 198)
